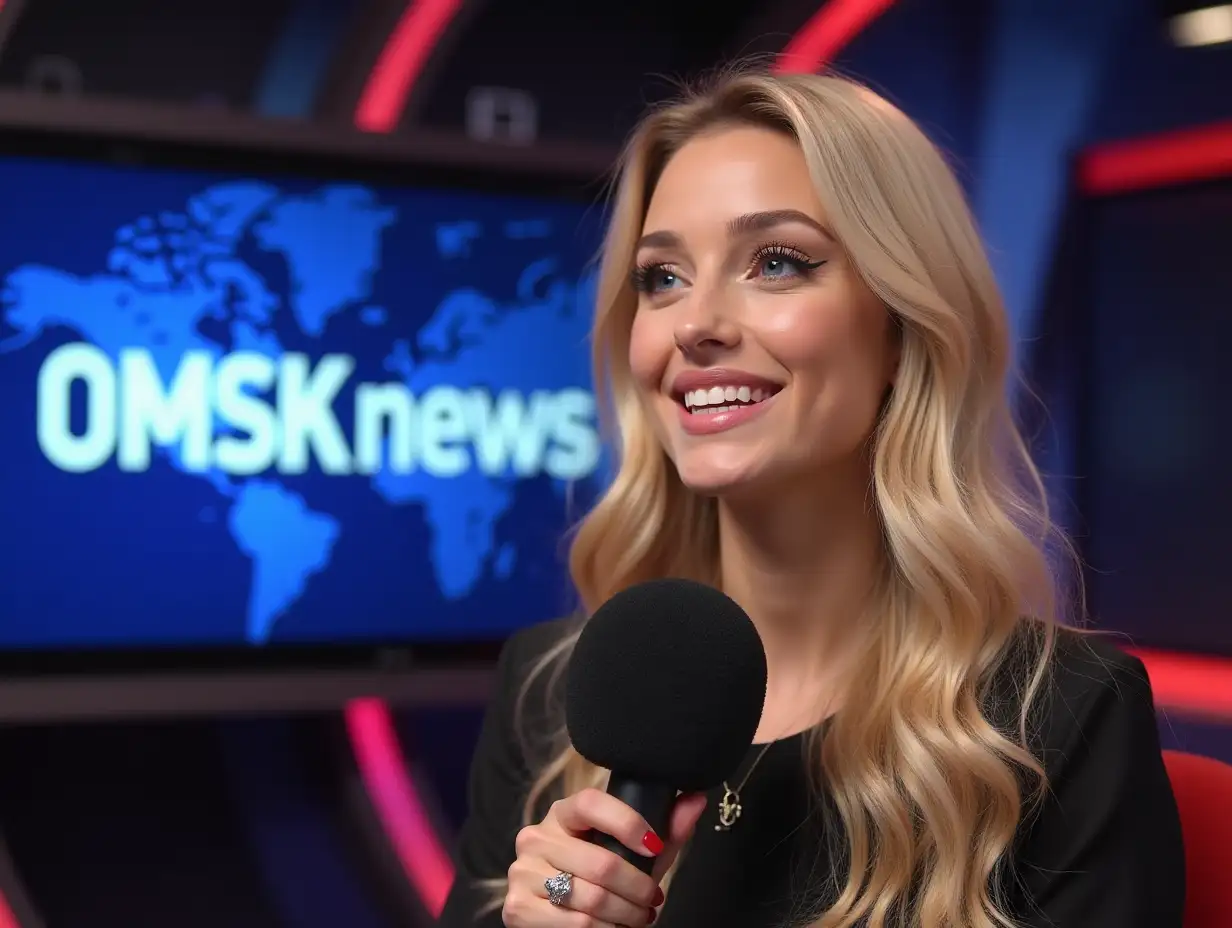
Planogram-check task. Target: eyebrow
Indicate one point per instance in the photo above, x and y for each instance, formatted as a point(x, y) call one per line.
point(741, 226)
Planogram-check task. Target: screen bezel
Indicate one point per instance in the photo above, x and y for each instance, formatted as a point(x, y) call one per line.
point(316, 675)
point(211, 139)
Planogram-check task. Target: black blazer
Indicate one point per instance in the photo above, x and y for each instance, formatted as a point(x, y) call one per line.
point(1104, 849)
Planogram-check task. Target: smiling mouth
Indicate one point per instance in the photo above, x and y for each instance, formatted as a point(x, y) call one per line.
point(711, 400)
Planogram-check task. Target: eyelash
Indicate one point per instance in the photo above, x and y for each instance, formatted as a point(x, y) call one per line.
point(641, 275)
point(787, 252)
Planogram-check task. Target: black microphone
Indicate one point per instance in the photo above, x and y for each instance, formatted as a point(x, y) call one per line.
point(665, 688)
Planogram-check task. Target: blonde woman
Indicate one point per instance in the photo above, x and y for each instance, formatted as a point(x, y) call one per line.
point(806, 359)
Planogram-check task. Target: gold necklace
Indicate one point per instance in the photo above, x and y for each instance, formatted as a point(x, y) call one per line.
point(729, 806)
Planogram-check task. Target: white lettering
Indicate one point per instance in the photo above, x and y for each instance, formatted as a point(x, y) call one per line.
point(76, 454)
point(576, 449)
point(151, 414)
point(306, 400)
point(442, 426)
point(509, 428)
point(375, 406)
point(245, 413)
point(239, 380)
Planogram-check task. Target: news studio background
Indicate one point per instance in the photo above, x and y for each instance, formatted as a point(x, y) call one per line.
point(294, 390)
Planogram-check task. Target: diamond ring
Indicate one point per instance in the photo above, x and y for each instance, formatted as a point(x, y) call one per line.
point(559, 887)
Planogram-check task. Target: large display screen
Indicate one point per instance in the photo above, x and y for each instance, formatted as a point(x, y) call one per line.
point(249, 409)
point(1156, 495)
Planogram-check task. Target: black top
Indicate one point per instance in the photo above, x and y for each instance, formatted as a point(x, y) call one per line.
point(1103, 851)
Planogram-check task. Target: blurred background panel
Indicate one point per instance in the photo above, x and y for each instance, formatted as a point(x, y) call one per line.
point(190, 52)
point(1157, 496)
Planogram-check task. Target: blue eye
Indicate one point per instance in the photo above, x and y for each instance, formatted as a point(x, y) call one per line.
point(776, 262)
point(777, 267)
point(653, 278)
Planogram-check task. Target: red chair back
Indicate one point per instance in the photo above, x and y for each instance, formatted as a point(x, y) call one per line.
point(1203, 789)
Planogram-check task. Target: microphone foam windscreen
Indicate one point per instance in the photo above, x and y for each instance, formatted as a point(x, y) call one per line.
point(666, 685)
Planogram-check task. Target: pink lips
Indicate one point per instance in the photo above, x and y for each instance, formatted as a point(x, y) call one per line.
point(710, 423)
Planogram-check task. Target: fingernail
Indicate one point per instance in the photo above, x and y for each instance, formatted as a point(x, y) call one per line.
point(652, 843)
point(653, 916)
point(659, 897)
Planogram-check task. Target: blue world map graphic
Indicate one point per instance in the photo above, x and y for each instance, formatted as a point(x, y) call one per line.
point(183, 281)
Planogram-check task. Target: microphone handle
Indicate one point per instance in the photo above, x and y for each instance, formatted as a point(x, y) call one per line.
point(650, 800)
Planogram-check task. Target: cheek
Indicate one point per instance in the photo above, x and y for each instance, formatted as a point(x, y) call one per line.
point(648, 358)
point(811, 339)
point(840, 350)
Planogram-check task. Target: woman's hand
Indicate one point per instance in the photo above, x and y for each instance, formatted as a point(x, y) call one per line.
point(607, 891)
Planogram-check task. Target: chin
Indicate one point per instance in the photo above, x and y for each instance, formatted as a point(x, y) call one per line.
point(720, 478)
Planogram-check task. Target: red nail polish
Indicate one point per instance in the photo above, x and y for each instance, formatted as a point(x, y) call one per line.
point(659, 897)
point(653, 916)
point(652, 843)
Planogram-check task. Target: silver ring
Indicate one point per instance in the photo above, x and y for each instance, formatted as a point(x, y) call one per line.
point(559, 887)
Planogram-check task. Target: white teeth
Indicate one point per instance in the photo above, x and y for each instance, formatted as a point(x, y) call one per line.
point(719, 399)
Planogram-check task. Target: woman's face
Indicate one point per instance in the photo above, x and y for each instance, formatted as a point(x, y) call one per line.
point(759, 353)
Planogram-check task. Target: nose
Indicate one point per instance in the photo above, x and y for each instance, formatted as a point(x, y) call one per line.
point(703, 331)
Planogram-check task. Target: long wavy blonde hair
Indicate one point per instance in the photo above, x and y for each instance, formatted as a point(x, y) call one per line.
point(929, 789)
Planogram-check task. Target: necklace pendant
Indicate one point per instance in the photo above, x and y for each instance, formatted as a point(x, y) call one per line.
point(729, 809)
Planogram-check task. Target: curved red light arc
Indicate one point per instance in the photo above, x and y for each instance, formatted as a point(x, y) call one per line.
point(827, 32)
point(423, 22)
point(392, 792)
point(407, 50)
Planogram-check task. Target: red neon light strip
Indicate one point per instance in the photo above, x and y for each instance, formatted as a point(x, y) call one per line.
point(383, 769)
point(402, 60)
point(1191, 683)
point(1197, 154)
point(827, 32)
